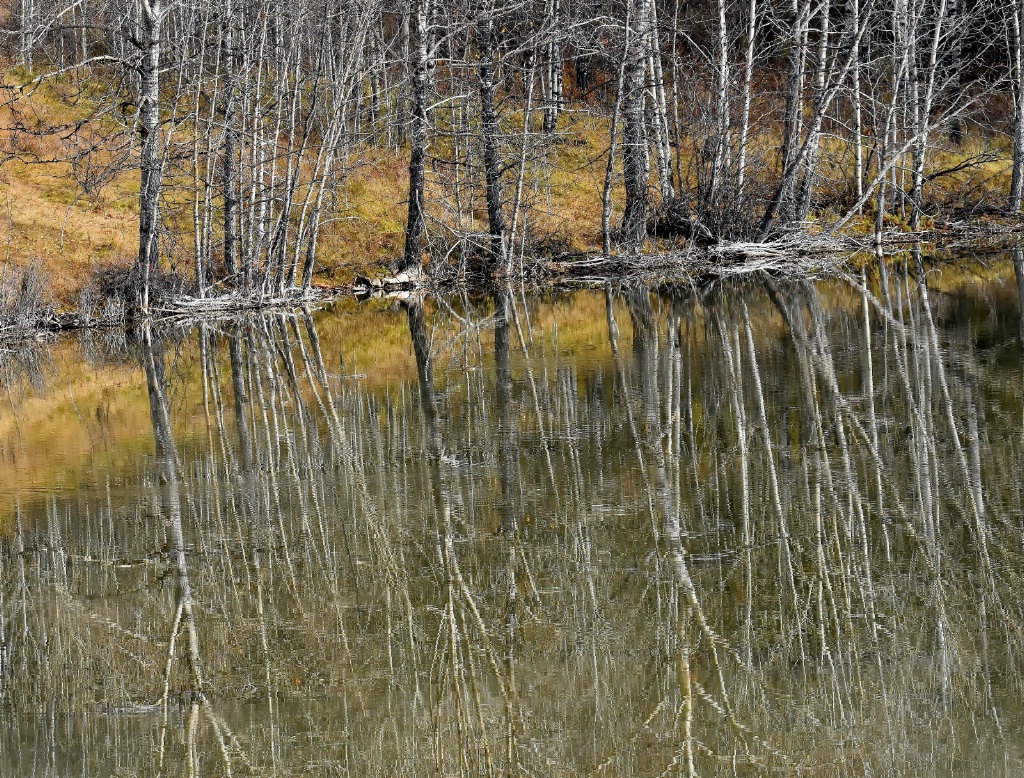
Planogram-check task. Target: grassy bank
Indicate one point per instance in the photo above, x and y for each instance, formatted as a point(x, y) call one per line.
point(69, 220)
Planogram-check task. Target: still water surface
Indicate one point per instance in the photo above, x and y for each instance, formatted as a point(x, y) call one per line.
point(766, 528)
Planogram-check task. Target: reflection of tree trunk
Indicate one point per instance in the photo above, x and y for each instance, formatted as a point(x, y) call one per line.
point(870, 391)
point(645, 347)
point(733, 350)
point(167, 471)
point(460, 608)
point(645, 355)
point(507, 452)
point(784, 540)
point(511, 479)
point(649, 437)
point(238, 384)
point(609, 311)
point(424, 368)
point(933, 350)
point(1018, 271)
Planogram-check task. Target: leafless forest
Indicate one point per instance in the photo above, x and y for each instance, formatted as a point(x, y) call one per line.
point(727, 120)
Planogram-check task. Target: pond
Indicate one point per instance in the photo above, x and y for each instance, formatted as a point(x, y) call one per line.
point(762, 527)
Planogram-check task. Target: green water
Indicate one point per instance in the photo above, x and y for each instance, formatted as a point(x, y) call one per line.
point(762, 528)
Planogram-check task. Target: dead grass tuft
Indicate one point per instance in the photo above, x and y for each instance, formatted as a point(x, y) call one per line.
point(24, 297)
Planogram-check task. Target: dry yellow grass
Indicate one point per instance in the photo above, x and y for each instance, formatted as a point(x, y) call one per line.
point(46, 219)
point(371, 224)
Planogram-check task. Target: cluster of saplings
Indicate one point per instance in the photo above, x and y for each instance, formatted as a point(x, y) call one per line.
point(724, 120)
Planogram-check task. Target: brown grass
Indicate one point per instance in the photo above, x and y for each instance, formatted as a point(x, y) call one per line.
point(46, 219)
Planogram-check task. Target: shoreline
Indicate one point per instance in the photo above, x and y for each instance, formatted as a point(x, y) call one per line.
point(797, 255)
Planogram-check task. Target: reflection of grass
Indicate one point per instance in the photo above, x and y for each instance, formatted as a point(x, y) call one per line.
point(91, 417)
point(98, 416)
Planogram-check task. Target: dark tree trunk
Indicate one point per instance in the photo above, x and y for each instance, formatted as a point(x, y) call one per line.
point(583, 75)
point(230, 146)
point(421, 66)
point(489, 127)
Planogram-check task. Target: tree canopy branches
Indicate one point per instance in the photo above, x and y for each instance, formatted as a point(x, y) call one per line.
point(730, 120)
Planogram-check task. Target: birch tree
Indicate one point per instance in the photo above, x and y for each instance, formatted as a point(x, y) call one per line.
point(635, 151)
point(1016, 15)
point(151, 19)
point(487, 49)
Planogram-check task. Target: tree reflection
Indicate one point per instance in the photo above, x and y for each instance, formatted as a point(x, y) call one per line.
point(762, 528)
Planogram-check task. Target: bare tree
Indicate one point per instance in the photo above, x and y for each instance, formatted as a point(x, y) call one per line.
point(421, 66)
point(1016, 14)
point(635, 150)
point(487, 50)
point(151, 18)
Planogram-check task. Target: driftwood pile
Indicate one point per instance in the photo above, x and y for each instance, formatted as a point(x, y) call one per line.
point(801, 255)
point(237, 302)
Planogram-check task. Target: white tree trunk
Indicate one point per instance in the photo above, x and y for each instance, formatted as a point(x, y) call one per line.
point(923, 111)
point(1017, 60)
point(659, 104)
point(149, 130)
point(635, 157)
point(721, 107)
